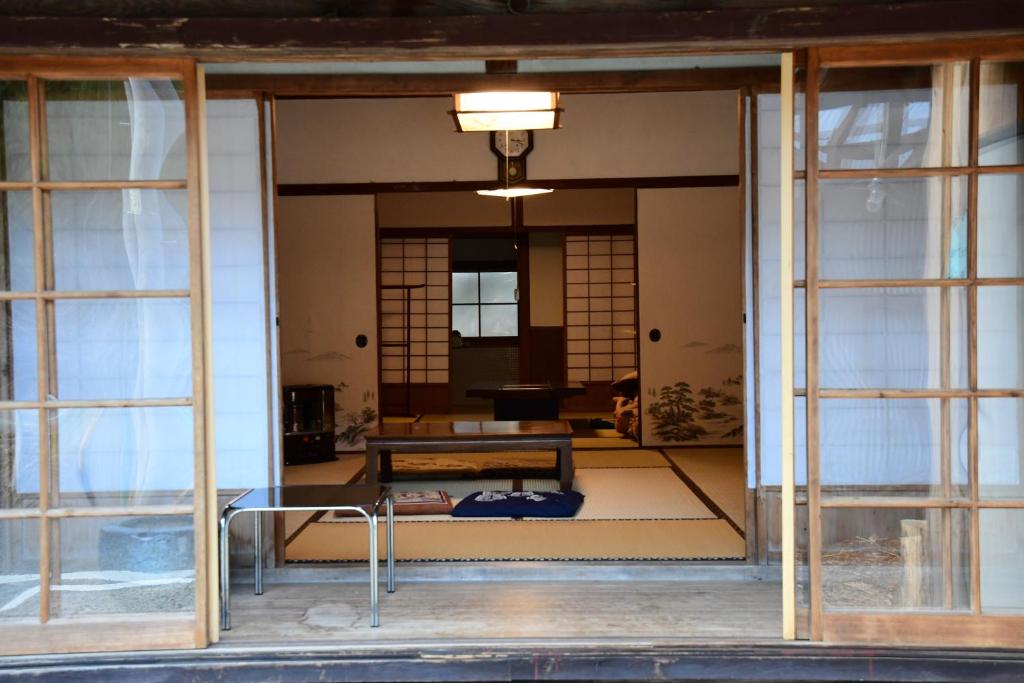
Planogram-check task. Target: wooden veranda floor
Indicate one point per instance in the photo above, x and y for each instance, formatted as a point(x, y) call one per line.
point(509, 611)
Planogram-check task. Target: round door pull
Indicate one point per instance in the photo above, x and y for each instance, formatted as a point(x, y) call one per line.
point(655, 334)
point(361, 340)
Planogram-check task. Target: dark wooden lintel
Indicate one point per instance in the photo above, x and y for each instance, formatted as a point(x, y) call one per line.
point(324, 189)
point(515, 36)
point(401, 85)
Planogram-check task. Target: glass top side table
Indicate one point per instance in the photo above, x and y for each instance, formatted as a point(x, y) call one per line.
point(364, 499)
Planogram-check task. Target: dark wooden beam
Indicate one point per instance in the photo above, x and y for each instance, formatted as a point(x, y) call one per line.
point(493, 36)
point(323, 189)
point(169, 9)
point(434, 85)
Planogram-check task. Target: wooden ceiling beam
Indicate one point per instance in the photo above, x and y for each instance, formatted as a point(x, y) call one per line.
point(435, 85)
point(516, 36)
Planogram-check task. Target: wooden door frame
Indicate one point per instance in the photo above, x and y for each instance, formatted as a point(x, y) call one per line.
point(121, 631)
point(905, 628)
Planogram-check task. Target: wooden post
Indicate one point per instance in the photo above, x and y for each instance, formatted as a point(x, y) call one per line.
point(913, 551)
point(786, 327)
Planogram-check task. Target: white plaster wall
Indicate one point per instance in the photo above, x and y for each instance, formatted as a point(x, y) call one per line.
point(441, 210)
point(614, 206)
point(547, 275)
point(328, 295)
point(413, 139)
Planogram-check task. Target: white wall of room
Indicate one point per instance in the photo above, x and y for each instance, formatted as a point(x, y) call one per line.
point(413, 139)
point(328, 294)
point(441, 210)
point(612, 206)
point(547, 276)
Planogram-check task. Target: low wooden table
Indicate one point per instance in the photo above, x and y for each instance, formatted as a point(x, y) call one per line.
point(525, 401)
point(469, 437)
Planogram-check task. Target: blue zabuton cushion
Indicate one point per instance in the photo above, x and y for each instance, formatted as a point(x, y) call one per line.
point(519, 504)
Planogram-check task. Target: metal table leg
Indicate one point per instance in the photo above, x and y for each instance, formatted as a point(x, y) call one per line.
point(390, 531)
point(374, 608)
point(225, 571)
point(257, 552)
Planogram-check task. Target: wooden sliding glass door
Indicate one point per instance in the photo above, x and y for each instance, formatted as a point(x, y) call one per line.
point(102, 471)
point(914, 294)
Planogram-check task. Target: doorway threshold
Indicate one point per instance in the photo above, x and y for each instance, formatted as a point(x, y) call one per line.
point(500, 571)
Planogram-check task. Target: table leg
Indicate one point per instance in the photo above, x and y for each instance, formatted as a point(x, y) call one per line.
point(374, 613)
point(386, 471)
point(257, 552)
point(565, 467)
point(372, 456)
point(390, 531)
point(225, 573)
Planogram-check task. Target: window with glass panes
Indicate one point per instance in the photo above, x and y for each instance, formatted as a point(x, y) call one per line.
point(484, 304)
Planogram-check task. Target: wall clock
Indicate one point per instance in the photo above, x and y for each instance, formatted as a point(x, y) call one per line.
point(511, 148)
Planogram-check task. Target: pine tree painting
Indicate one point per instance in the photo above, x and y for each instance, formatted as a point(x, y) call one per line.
point(678, 414)
point(673, 414)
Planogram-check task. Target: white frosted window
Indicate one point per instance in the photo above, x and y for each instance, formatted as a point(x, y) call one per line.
point(465, 288)
point(240, 373)
point(120, 240)
point(124, 456)
point(116, 130)
point(14, 138)
point(498, 288)
point(123, 348)
point(1002, 546)
point(499, 321)
point(466, 320)
point(17, 264)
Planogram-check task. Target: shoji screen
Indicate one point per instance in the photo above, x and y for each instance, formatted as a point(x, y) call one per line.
point(600, 311)
point(414, 306)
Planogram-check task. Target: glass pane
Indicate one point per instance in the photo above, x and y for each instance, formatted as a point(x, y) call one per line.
point(890, 338)
point(890, 447)
point(1000, 332)
point(499, 321)
point(1000, 226)
point(124, 456)
point(891, 117)
point(123, 565)
point(18, 369)
point(240, 343)
point(14, 152)
point(1002, 551)
point(130, 348)
point(891, 228)
point(121, 240)
point(466, 320)
point(498, 288)
point(891, 559)
point(1000, 115)
point(19, 459)
point(17, 262)
point(1000, 448)
point(116, 130)
point(19, 569)
point(465, 288)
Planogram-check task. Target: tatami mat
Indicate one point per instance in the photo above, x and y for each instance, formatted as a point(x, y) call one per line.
point(530, 540)
point(397, 419)
point(620, 457)
point(457, 417)
point(617, 441)
point(340, 471)
point(623, 493)
point(719, 473)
